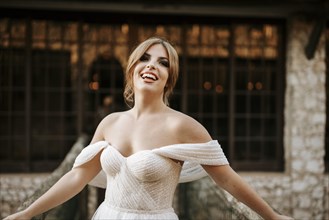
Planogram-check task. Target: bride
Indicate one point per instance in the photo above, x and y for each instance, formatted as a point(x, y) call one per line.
point(140, 155)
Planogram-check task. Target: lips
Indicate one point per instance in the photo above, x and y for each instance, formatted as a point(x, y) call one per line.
point(149, 75)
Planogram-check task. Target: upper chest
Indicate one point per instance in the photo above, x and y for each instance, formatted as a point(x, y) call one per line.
point(130, 136)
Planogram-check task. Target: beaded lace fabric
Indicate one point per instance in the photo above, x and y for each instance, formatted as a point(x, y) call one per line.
point(142, 185)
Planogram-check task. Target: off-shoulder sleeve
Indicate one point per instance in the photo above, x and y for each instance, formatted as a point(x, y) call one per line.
point(194, 155)
point(87, 154)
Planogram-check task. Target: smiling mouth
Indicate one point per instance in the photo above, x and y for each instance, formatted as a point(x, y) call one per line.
point(149, 76)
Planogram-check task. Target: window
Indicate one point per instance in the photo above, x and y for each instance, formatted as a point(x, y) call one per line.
point(37, 103)
point(60, 74)
point(232, 82)
point(37, 113)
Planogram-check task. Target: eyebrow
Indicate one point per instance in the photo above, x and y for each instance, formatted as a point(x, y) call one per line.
point(160, 58)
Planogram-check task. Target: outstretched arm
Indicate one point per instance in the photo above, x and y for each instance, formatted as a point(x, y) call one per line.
point(64, 189)
point(229, 180)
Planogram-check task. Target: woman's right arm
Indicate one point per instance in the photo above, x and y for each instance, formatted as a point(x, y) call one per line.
point(64, 189)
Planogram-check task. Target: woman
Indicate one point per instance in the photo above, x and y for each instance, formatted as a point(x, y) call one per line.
point(141, 154)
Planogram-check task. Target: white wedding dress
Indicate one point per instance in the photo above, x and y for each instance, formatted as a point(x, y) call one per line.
point(142, 185)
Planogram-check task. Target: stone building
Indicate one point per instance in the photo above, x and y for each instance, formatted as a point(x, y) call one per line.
point(255, 75)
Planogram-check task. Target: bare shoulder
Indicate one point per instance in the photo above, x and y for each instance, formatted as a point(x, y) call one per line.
point(105, 124)
point(189, 129)
point(111, 117)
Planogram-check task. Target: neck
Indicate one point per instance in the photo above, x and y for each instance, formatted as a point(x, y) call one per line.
point(148, 105)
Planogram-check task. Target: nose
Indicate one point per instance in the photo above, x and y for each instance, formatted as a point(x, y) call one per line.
point(150, 66)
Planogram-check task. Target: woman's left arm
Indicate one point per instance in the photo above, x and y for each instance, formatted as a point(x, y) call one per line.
point(191, 131)
point(229, 180)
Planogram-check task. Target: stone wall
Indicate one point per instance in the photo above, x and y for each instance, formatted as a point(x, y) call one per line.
point(326, 198)
point(207, 201)
point(16, 188)
point(305, 115)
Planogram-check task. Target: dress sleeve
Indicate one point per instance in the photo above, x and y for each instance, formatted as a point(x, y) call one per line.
point(194, 155)
point(87, 154)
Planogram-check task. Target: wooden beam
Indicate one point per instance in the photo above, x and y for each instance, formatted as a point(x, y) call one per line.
point(266, 9)
point(314, 37)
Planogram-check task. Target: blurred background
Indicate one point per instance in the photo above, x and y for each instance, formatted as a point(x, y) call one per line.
point(253, 73)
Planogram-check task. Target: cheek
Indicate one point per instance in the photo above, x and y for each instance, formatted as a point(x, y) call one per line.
point(167, 78)
point(137, 69)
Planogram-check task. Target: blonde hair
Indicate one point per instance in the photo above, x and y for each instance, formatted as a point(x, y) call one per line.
point(134, 59)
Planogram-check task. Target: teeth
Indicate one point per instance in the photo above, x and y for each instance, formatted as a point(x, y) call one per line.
point(150, 76)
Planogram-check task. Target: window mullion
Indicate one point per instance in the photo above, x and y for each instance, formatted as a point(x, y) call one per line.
point(28, 76)
point(231, 95)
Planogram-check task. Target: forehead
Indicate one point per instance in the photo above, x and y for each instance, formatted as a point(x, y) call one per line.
point(157, 50)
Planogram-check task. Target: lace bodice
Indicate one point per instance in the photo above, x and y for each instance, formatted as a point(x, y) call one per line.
point(147, 179)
